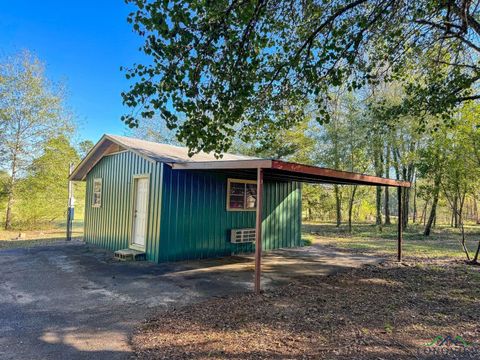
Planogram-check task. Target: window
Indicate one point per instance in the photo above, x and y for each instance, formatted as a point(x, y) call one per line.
point(97, 193)
point(241, 195)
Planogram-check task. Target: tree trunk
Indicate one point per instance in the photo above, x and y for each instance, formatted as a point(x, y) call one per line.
point(387, 207)
point(460, 209)
point(414, 218)
point(475, 258)
point(475, 210)
point(406, 205)
point(408, 175)
point(433, 211)
point(455, 212)
point(338, 203)
point(451, 218)
point(396, 164)
point(378, 163)
point(378, 219)
point(13, 178)
point(8, 215)
point(464, 245)
point(350, 208)
point(387, 194)
point(424, 212)
point(11, 192)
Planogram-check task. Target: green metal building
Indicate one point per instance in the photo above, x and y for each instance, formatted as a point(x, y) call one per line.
point(154, 198)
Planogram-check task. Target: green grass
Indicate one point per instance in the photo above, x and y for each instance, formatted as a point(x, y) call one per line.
point(57, 232)
point(443, 242)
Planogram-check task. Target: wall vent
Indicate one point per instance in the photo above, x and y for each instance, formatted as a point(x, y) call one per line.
point(241, 236)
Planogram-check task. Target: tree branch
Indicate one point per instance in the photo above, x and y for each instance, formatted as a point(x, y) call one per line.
point(315, 33)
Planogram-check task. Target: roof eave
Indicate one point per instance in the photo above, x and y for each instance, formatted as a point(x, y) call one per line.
point(74, 175)
point(311, 173)
point(341, 176)
point(87, 163)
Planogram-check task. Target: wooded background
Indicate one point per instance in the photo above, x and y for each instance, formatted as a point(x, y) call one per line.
point(39, 139)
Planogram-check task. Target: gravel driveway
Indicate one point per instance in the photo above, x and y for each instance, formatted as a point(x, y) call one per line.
point(73, 301)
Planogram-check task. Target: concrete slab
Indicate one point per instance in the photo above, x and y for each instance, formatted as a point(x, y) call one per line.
point(74, 301)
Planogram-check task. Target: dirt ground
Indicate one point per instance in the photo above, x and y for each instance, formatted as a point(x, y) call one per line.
point(418, 309)
point(70, 300)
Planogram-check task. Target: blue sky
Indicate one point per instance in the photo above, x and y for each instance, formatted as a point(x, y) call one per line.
point(83, 44)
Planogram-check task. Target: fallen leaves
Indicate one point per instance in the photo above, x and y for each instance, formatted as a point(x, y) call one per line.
point(376, 312)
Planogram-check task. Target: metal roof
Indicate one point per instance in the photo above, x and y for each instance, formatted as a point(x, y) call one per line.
point(177, 157)
point(149, 150)
point(168, 153)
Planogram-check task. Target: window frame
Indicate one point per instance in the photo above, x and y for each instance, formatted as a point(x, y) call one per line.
point(240, 181)
point(94, 205)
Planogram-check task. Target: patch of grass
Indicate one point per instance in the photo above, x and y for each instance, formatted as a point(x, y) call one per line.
point(443, 243)
point(307, 239)
point(26, 238)
point(388, 328)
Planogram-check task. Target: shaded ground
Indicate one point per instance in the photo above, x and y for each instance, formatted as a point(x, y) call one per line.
point(389, 311)
point(423, 308)
point(73, 301)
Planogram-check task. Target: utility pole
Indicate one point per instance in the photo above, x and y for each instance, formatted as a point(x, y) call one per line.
point(71, 205)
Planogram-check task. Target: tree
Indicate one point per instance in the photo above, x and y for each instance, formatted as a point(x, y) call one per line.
point(296, 144)
point(332, 140)
point(317, 202)
point(44, 194)
point(31, 112)
point(431, 165)
point(4, 180)
point(449, 160)
point(356, 148)
point(217, 69)
point(469, 152)
point(387, 192)
point(342, 145)
point(154, 130)
point(377, 134)
point(84, 147)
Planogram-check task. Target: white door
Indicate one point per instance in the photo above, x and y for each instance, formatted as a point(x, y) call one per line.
point(140, 212)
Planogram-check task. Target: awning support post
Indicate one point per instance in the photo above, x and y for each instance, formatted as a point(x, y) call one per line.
point(258, 231)
point(400, 224)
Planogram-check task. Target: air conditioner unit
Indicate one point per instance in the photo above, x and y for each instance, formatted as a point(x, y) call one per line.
point(242, 236)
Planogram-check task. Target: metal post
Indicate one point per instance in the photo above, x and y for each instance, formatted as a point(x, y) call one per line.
point(400, 224)
point(71, 205)
point(258, 231)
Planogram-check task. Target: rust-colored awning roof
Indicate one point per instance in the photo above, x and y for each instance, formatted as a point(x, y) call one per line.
point(282, 170)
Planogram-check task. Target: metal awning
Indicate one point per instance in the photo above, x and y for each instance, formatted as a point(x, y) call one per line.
point(261, 169)
point(282, 170)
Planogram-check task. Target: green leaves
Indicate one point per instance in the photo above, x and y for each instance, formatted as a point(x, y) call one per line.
point(32, 112)
point(227, 67)
point(43, 194)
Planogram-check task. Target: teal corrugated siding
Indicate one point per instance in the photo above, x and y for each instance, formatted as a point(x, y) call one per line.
point(109, 226)
point(196, 224)
point(187, 211)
